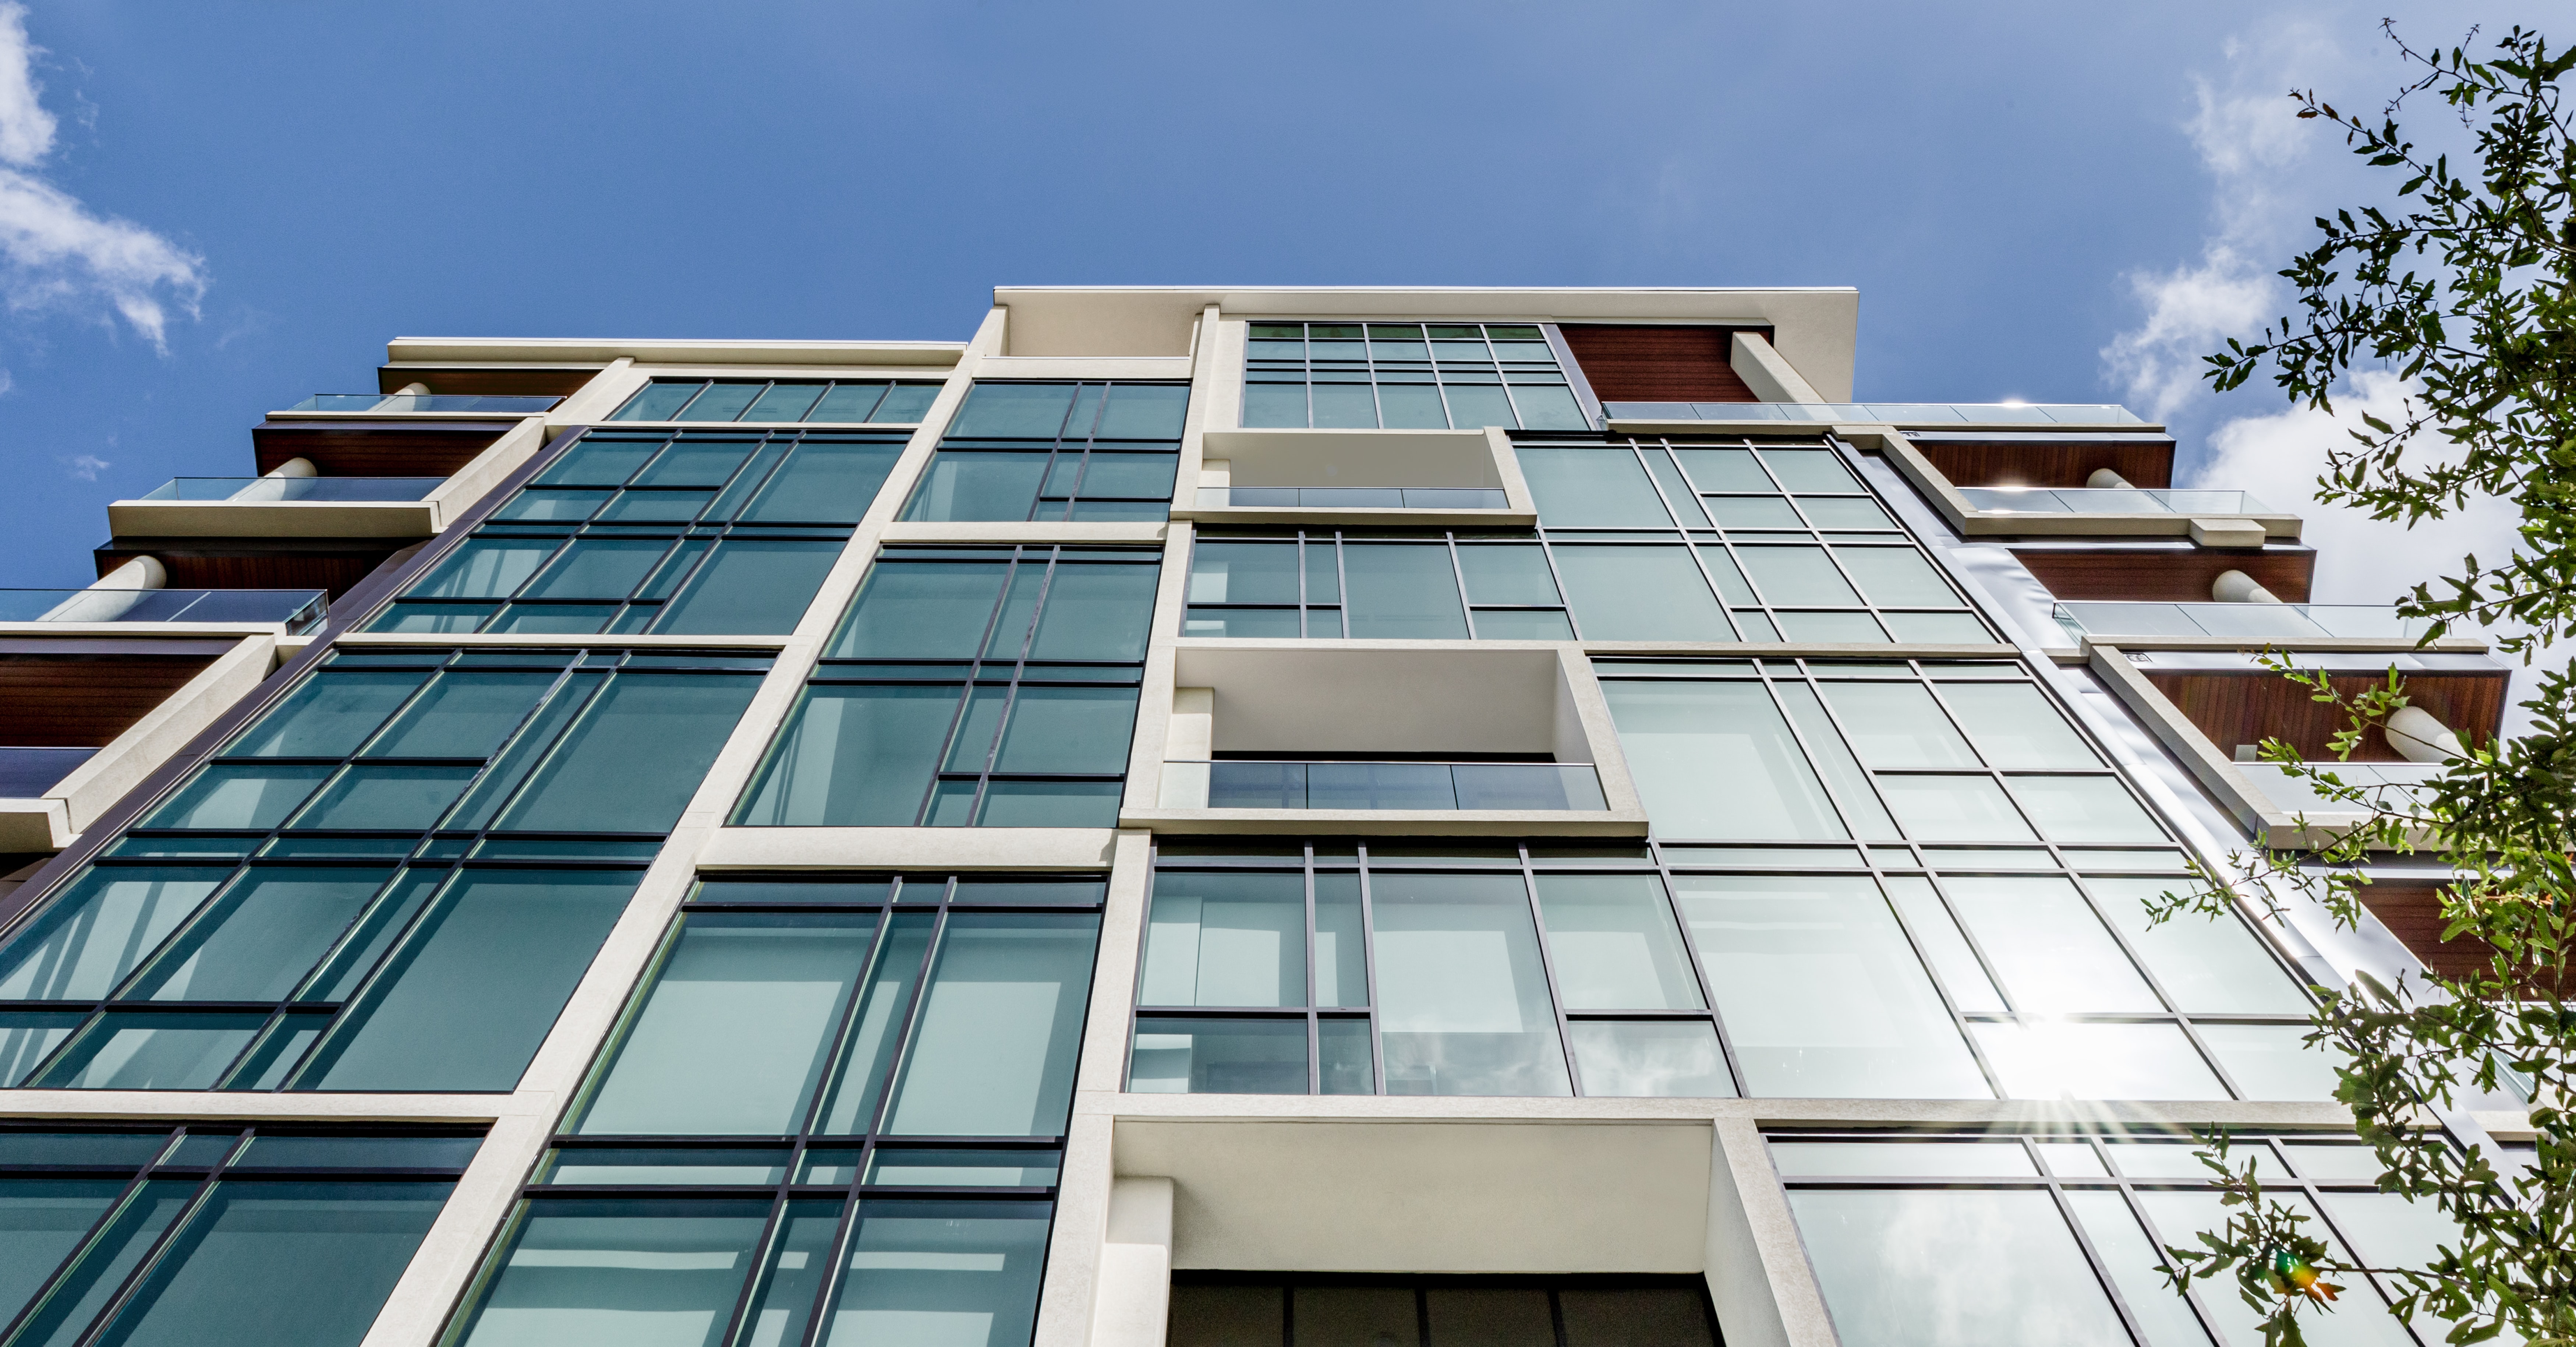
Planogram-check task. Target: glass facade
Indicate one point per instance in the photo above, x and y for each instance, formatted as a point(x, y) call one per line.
point(2067, 1230)
point(1077, 451)
point(658, 532)
point(392, 880)
point(841, 400)
point(1406, 376)
point(211, 1235)
point(990, 686)
point(834, 1114)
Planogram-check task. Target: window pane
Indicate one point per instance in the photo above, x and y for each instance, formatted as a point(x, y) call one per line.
point(993, 1053)
point(260, 939)
point(1821, 994)
point(1226, 940)
point(463, 715)
point(636, 757)
point(1412, 406)
point(784, 402)
point(605, 460)
point(1522, 624)
point(1190, 1056)
point(855, 757)
point(1649, 1059)
point(1953, 809)
point(2062, 1060)
point(254, 798)
point(264, 1263)
point(598, 568)
point(41, 1222)
point(1715, 760)
point(735, 1031)
point(749, 588)
point(1834, 760)
point(965, 485)
point(2361, 1318)
point(620, 1273)
point(2015, 727)
point(1896, 577)
point(476, 988)
point(1019, 411)
point(1938, 936)
point(1640, 594)
point(1591, 488)
point(1068, 729)
point(2136, 1268)
point(1613, 944)
point(952, 1274)
point(1274, 404)
point(905, 403)
point(1506, 573)
point(1346, 406)
point(328, 717)
point(98, 930)
point(2047, 946)
point(923, 610)
point(657, 401)
point(848, 402)
point(1402, 591)
point(1796, 576)
point(485, 568)
point(2274, 1061)
point(700, 460)
point(406, 798)
point(2085, 809)
point(825, 481)
point(1472, 406)
point(1889, 1265)
point(1897, 725)
point(1096, 612)
point(152, 1051)
point(1805, 470)
point(2209, 967)
point(1548, 407)
point(1225, 572)
point(721, 402)
point(879, 1026)
point(1463, 1005)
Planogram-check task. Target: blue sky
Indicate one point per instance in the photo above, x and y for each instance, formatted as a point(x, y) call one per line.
point(2049, 201)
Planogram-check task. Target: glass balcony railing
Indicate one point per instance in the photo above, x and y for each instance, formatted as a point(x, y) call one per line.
point(498, 404)
point(2291, 795)
point(273, 489)
point(1381, 785)
point(26, 773)
point(1357, 497)
point(299, 609)
point(2238, 621)
point(1892, 413)
point(2116, 500)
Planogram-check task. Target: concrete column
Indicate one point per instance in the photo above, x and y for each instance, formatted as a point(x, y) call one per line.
point(1771, 377)
point(1134, 1301)
point(2238, 587)
point(1766, 1295)
point(2418, 737)
point(109, 597)
point(413, 389)
point(2103, 479)
point(294, 467)
point(140, 573)
point(1187, 746)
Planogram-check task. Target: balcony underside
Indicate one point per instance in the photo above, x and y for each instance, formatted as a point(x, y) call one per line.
point(330, 564)
point(1978, 459)
point(559, 381)
point(2166, 572)
point(375, 448)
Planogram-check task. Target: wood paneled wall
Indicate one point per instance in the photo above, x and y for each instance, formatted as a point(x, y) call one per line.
point(82, 694)
point(375, 449)
point(1659, 362)
point(2165, 574)
point(1974, 462)
point(323, 564)
point(2245, 707)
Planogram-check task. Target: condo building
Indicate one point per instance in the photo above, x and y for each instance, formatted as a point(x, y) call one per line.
point(1200, 817)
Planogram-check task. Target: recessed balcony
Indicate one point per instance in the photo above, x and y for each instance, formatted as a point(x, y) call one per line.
point(1355, 785)
point(278, 489)
point(2109, 500)
point(83, 720)
point(1467, 477)
point(291, 611)
point(281, 507)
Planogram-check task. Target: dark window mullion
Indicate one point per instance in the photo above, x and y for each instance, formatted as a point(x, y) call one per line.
point(839, 1062)
point(1368, 962)
point(142, 1269)
point(87, 1245)
point(905, 1025)
point(1699, 974)
point(2092, 1256)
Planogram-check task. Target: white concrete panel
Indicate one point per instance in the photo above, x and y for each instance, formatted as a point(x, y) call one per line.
point(905, 848)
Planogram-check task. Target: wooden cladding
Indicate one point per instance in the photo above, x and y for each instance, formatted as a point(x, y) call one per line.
point(2165, 574)
point(2412, 912)
point(1973, 460)
point(2248, 706)
point(326, 564)
point(562, 383)
point(81, 694)
point(375, 448)
point(1659, 362)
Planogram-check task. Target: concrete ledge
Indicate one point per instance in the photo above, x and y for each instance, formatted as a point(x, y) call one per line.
point(1008, 532)
point(1174, 367)
point(2213, 532)
point(481, 352)
point(2326, 645)
point(1856, 1114)
point(1417, 822)
point(908, 848)
point(1976, 523)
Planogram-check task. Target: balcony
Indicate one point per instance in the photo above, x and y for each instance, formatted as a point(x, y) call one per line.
point(86, 717)
point(1345, 785)
point(277, 489)
point(296, 611)
point(2271, 623)
point(428, 404)
point(2132, 500)
point(1354, 498)
point(27, 773)
point(2291, 795)
point(1945, 414)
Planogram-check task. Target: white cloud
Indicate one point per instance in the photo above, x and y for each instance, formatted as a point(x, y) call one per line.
point(86, 467)
point(55, 252)
point(6, 383)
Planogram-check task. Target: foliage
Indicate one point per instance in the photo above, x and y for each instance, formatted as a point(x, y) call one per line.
point(2467, 290)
